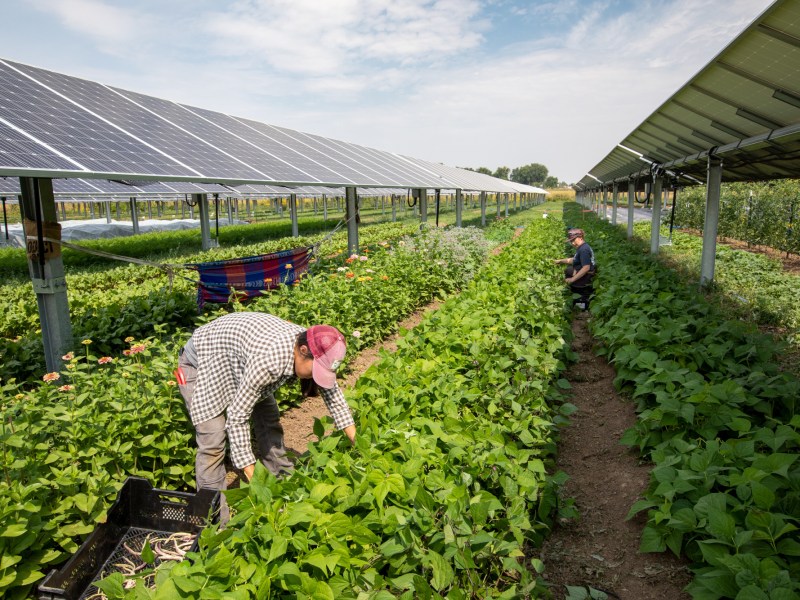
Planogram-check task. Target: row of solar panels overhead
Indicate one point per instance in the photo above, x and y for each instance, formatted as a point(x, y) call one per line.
point(55, 125)
point(101, 190)
point(744, 106)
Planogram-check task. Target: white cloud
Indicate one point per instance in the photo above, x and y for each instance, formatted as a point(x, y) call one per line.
point(98, 20)
point(312, 38)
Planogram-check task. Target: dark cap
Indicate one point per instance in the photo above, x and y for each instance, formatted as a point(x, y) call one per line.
point(574, 233)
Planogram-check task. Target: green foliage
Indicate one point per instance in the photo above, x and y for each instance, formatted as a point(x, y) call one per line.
point(759, 213)
point(447, 481)
point(716, 417)
point(67, 447)
point(747, 283)
point(532, 174)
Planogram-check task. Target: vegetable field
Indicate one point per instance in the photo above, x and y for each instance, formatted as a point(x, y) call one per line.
point(451, 486)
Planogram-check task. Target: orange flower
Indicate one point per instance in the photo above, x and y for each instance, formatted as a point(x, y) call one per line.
point(385, 277)
point(104, 360)
point(66, 388)
point(137, 348)
point(51, 377)
point(349, 274)
point(127, 352)
point(68, 356)
point(129, 339)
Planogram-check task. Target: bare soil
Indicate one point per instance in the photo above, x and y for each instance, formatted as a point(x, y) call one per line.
point(600, 548)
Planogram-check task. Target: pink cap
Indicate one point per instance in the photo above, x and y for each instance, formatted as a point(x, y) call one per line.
point(328, 347)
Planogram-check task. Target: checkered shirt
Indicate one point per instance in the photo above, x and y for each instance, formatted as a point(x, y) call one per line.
point(242, 358)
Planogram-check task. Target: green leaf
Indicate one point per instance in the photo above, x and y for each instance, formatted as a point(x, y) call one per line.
point(442, 571)
point(112, 586)
point(721, 524)
point(220, 564)
point(148, 555)
point(652, 541)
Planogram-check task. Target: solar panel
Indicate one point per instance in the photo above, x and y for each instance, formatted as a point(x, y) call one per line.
point(64, 126)
point(260, 164)
point(314, 165)
point(19, 150)
point(91, 144)
point(744, 105)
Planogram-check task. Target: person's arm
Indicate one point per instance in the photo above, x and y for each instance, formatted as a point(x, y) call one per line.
point(581, 272)
point(340, 411)
point(564, 261)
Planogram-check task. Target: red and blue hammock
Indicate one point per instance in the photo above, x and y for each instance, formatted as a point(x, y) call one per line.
point(249, 276)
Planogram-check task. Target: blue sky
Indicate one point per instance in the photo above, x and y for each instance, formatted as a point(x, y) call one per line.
point(463, 82)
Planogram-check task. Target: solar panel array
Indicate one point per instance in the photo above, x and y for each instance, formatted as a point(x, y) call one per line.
point(55, 125)
point(744, 106)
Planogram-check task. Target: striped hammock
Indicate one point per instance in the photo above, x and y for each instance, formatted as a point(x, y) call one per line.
point(249, 276)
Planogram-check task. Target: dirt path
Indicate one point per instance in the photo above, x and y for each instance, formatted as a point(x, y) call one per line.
point(600, 548)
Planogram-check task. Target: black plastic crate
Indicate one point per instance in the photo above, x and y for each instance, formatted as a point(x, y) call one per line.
point(140, 511)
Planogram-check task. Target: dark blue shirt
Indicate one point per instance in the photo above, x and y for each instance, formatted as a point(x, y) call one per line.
point(583, 256)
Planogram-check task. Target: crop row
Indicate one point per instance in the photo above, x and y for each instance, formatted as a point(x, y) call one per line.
point(67, 445)
point(110, 304)
point(446, 487)
point(718, 419)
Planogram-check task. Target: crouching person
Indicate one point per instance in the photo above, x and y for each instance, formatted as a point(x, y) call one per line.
point(227, 374)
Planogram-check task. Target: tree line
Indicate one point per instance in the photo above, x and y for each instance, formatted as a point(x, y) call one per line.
point(535, 174)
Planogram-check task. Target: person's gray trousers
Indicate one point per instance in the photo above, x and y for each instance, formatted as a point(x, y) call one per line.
point(211, 437)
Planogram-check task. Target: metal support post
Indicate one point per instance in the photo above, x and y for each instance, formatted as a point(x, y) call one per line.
point(631, 197)
point(352, 225)
point(46, 268)
point(201, 200)
point(614, 197)
point(655, 221)
point(713, 187)
point(483, 209)
point(293, 214)
point(108, 210)
point(459, 207)
point(423, 205)
point(134, 216)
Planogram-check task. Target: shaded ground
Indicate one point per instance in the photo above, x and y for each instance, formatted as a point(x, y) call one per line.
point(600, 548)
point(790, 262)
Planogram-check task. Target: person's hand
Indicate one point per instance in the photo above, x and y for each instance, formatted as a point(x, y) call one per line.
point(248, 471)
point(350, 432)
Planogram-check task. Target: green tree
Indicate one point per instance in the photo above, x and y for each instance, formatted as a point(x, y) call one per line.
point(532, 174)
point(502, 172)
point(550, 182)
point(483, 170)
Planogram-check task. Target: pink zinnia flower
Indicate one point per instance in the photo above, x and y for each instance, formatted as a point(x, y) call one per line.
point(68, 356)
point(104, 360)
point(137, 348)
point(51, 377)
point(66, 388)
